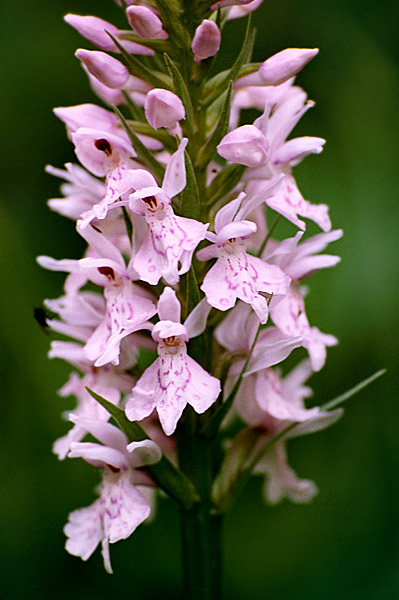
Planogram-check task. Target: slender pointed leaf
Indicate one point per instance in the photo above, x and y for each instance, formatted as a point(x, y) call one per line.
point(225, 181)
point(143, 155)
point(138, 69)
point(213, 89)
point(191, 198)
point(128, 223)
point(156, 45)
point(136, 112)
point(225, 499)
point(171, 19)
point(182, 91)
point(219, 132)
point(353, 391)
point(157, 134)
point(193, 297)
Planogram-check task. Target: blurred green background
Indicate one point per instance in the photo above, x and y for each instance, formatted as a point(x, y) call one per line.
point(342, 545)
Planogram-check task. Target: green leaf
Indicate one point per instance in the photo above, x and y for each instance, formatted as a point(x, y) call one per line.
point(215, 87)
point(136, 112)
point(191, 198)
point(156, 45)
point(224, 496)
point(143, 155)
point(192, 291)
point(136, 68)
point(169, 479)
point(209, 151)
point(353, 391)
point(131, 429)
point(181, 91)
point(157, 134)
point(233, 464)
point(171, 19)
point(128, 223)
point(225, 181)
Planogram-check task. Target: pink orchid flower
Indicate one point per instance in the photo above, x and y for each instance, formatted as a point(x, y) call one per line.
point(174, 379)
point(128, 306)
point(272, 404)
point(166, 247)
point(288, 314)
point(107, 381)
point(269, 155)
point(121, 506)
point(237, 274)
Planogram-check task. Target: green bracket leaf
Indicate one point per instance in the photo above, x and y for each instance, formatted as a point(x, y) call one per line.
point(218, 84)
point(128, 223)
point(157, 134)
point(219, 132)
point(136, 112)
point(353, 391)
point(143, 154)
point(227, 488)
point(164, 473)
point(225, 181)
point(139, 70)
point(193, 296)
point(171, 19)
point(191, 204)
point(181, 90)
point(156, 45)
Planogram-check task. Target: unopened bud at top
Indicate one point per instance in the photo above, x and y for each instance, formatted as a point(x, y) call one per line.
point(285, 64)
point(163, 109)
point(96, 31)
point(145, 22)
point(206, 40)
point(106, 69)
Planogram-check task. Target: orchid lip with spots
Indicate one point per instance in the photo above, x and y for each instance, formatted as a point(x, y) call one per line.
point(188, 299)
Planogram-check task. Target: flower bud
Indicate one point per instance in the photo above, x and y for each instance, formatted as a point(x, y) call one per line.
point(163, 109)
point(145, 22)
point(95, 30)
point(106, 69)
point(285, 64)
point(242, 10)
point(206, 40)
point(246, 145)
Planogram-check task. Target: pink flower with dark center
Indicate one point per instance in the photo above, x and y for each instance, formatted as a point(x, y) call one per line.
point(237, 274)
point(107, 381)
point(104, 154)
point(174, 379)
point(121, 506)
point(270, 132)
point(164, 249)
point(128, 307)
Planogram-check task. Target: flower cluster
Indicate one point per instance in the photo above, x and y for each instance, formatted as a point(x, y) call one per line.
point(177, 201)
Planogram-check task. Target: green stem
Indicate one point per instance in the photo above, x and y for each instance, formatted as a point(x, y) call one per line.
point(201, 528)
